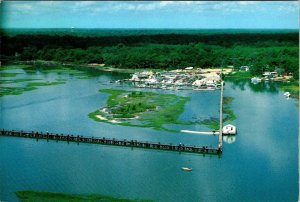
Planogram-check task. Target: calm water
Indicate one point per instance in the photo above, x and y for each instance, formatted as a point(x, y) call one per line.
point(260, 165)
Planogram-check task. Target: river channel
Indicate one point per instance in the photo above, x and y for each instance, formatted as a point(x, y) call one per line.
point(259, 164)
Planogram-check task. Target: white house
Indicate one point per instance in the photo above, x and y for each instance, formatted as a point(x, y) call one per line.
point(229, 130)
point(201, 82)
point(211, 83)
point(135, 78)
point(244, 68)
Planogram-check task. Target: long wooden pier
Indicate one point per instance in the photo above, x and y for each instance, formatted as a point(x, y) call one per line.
point(115, 142)
point(221, 118)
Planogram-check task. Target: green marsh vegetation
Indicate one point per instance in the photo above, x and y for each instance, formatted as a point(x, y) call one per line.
point(30, 86)
point(292, 87)
point(151, 110)
point(35, 196)
point(8, 74)
point(239, 75)
point(14, 82)
point(12, 66)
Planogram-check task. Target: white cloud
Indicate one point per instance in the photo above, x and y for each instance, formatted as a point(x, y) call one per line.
point(23, 7)
point(246, 3)
point(288, 8)
point(165, 3)
point(94, 7)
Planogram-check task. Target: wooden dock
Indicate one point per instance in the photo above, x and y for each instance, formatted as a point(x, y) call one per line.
point(200, 132)
point(221, 118)
point(114, 142)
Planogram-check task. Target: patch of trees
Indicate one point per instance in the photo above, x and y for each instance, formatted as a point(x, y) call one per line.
point(12, 44)
point(263, 52)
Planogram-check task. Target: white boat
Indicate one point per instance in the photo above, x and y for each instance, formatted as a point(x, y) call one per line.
point(189, 68)
point(287, 94)
point(255, 80)
point(211, 84)
point(151, 81)
point(186, 169)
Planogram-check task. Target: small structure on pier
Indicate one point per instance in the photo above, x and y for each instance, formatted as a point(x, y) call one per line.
point(229, 130)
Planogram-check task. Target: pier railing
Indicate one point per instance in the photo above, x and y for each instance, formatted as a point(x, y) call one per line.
point(113, 141)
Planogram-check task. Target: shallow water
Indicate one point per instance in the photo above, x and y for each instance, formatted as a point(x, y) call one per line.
point(260, 164)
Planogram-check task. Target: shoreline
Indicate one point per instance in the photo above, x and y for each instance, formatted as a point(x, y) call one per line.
point(229, 72)
point(289, 83)
point(102, 67)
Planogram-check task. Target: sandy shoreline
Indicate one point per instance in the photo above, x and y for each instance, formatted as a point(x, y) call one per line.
point(101, 118)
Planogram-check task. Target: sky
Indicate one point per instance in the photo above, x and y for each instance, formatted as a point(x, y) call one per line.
point(150, 14)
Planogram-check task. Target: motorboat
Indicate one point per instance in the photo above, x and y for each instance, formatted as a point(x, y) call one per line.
point(255, 80)
point(186, 169)
point(287, 94)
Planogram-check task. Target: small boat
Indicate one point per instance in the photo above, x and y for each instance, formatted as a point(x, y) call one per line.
point(186, 169)
point(287, 94)
point(255, 80)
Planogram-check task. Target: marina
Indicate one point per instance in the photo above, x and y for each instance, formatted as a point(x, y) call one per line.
point(179, 79)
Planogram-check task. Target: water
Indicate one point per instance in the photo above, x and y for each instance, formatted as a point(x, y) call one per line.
point(260, 164)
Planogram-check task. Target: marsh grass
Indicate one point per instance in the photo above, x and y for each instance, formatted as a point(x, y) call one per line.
point(24, 80)
point(239, 75)
point(15, 90)
point(152, 109)
point(29, 87)
point(30, 83)
point(35, 196)
point(18, 66)
point(7, 74)
point(34, 84)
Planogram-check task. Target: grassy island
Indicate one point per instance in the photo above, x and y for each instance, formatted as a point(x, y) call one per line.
point(151, 110)
point(141, 109)
point(33, 196)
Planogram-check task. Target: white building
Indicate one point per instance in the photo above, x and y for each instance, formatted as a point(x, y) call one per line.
point(229, 130)
point(135, 78)
point(244, 68)
point(199, 83)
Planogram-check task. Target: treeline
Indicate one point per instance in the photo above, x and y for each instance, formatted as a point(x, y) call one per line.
point(13, 44)
point(263, 52)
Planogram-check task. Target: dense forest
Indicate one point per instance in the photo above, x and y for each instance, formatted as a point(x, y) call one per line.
point(262, 51)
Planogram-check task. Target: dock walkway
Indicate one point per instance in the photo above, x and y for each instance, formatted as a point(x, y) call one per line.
point(115, 142)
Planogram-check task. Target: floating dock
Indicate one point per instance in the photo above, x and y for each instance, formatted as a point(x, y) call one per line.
point(114, 142)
